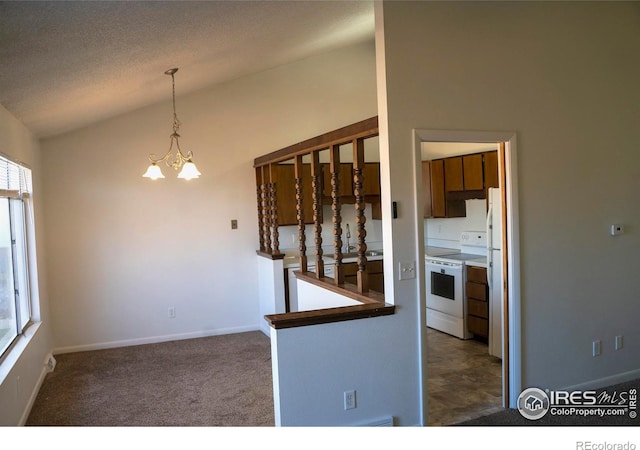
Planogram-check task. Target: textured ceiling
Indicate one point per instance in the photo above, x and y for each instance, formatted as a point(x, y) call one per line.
point(66, 64)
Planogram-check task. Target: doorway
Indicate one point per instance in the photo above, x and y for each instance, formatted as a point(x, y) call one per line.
point(432, 340)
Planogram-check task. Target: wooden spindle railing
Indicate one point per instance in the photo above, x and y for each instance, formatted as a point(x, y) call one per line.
point(361, 233)
point(302, 239)
point(334, 168)
point(259, 198)
point(273, 213)
point(316, 188)
point(266, 205)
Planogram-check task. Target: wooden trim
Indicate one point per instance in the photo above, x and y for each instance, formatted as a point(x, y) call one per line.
point(364, 129)
point(329, 315)
point(502, 180)
point(270, 255)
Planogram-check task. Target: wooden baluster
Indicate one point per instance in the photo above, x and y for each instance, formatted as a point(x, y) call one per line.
point(361, 233)
point(334, 167)
point(266, 195)
point(274, 217)
point(259, 195)
point(302, 239)
point(316, 176)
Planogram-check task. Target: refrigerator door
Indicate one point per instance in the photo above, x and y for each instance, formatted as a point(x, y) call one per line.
point(494, 271)
point(494, 220)
point(494, 277)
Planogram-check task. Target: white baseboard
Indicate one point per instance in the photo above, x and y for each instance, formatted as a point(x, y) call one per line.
point(34, 392)
point(153, 339)
point(605, 381)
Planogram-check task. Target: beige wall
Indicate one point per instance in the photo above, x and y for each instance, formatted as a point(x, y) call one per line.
point(123, 249)
point(25, 361)
point(563, 77)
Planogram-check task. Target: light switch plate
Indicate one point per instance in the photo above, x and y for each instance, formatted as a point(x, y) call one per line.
point(407, 270)
point(617, 229)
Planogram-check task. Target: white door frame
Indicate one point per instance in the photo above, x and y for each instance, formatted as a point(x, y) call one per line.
point(513, 251)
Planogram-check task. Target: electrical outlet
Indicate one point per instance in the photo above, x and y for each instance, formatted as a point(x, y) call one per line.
point(172, 312)
point(597, 346)
point(619, 342)
point(407, 270)
point(349, 400)
point(51, 363)
point(234, 224)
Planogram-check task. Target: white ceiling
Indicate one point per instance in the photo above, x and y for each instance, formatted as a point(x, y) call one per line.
point(66, 64)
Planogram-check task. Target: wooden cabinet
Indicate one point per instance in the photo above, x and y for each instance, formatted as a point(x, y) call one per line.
point(283, 175)
point(371, 174)
point(473, 172)
point(372, 189)
point(453, 174)
point(375, 271)
point(448, 182)
point(477, 298)
point(436, 204)
point(345, 181)
point(464, 173)
point(491, 169)
point(427, 196)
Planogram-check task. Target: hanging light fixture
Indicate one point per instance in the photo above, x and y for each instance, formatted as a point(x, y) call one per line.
point(180, 160)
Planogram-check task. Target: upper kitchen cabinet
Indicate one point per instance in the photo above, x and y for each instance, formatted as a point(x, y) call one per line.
point(448, 182)
point(473, 172)
point(436, 203)
point(283, 178)
point(491, 170)
point(464, 173)
point(453, 176)
point(345, 181)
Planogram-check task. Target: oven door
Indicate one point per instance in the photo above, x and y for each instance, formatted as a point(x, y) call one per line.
point(444, 288)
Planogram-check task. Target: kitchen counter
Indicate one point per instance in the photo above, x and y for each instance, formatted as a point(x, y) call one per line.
point(439, 251)
point(480, 262)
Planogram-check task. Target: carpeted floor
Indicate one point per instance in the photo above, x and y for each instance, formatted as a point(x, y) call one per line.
point(214, 381)
point(512, 417)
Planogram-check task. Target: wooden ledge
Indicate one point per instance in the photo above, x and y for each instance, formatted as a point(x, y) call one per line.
point(329, 315)
point(270, 255)
point(347, 289)
point(372, 305)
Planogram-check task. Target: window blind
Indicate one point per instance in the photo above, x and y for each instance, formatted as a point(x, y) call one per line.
point(15, 179)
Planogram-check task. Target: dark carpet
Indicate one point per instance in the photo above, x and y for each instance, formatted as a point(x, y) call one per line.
point(213, 381)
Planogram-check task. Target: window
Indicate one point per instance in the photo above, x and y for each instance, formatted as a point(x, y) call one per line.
point(16, 216)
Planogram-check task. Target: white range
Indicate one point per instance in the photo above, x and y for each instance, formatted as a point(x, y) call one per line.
point(445, 282)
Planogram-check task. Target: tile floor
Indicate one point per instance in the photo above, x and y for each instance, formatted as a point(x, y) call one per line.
point(464, 381)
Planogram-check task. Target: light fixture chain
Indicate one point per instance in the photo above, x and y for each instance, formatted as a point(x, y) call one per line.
point(176, 122)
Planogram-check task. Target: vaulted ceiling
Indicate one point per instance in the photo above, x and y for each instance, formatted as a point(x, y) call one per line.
point(66, 64)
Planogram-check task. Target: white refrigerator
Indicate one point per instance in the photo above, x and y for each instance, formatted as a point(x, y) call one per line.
point(494, 271)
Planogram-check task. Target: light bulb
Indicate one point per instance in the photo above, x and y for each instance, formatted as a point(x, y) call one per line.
point(189, 171)
point(153, 172)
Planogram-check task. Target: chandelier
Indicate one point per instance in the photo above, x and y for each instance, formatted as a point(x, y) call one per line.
point(180, 160)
